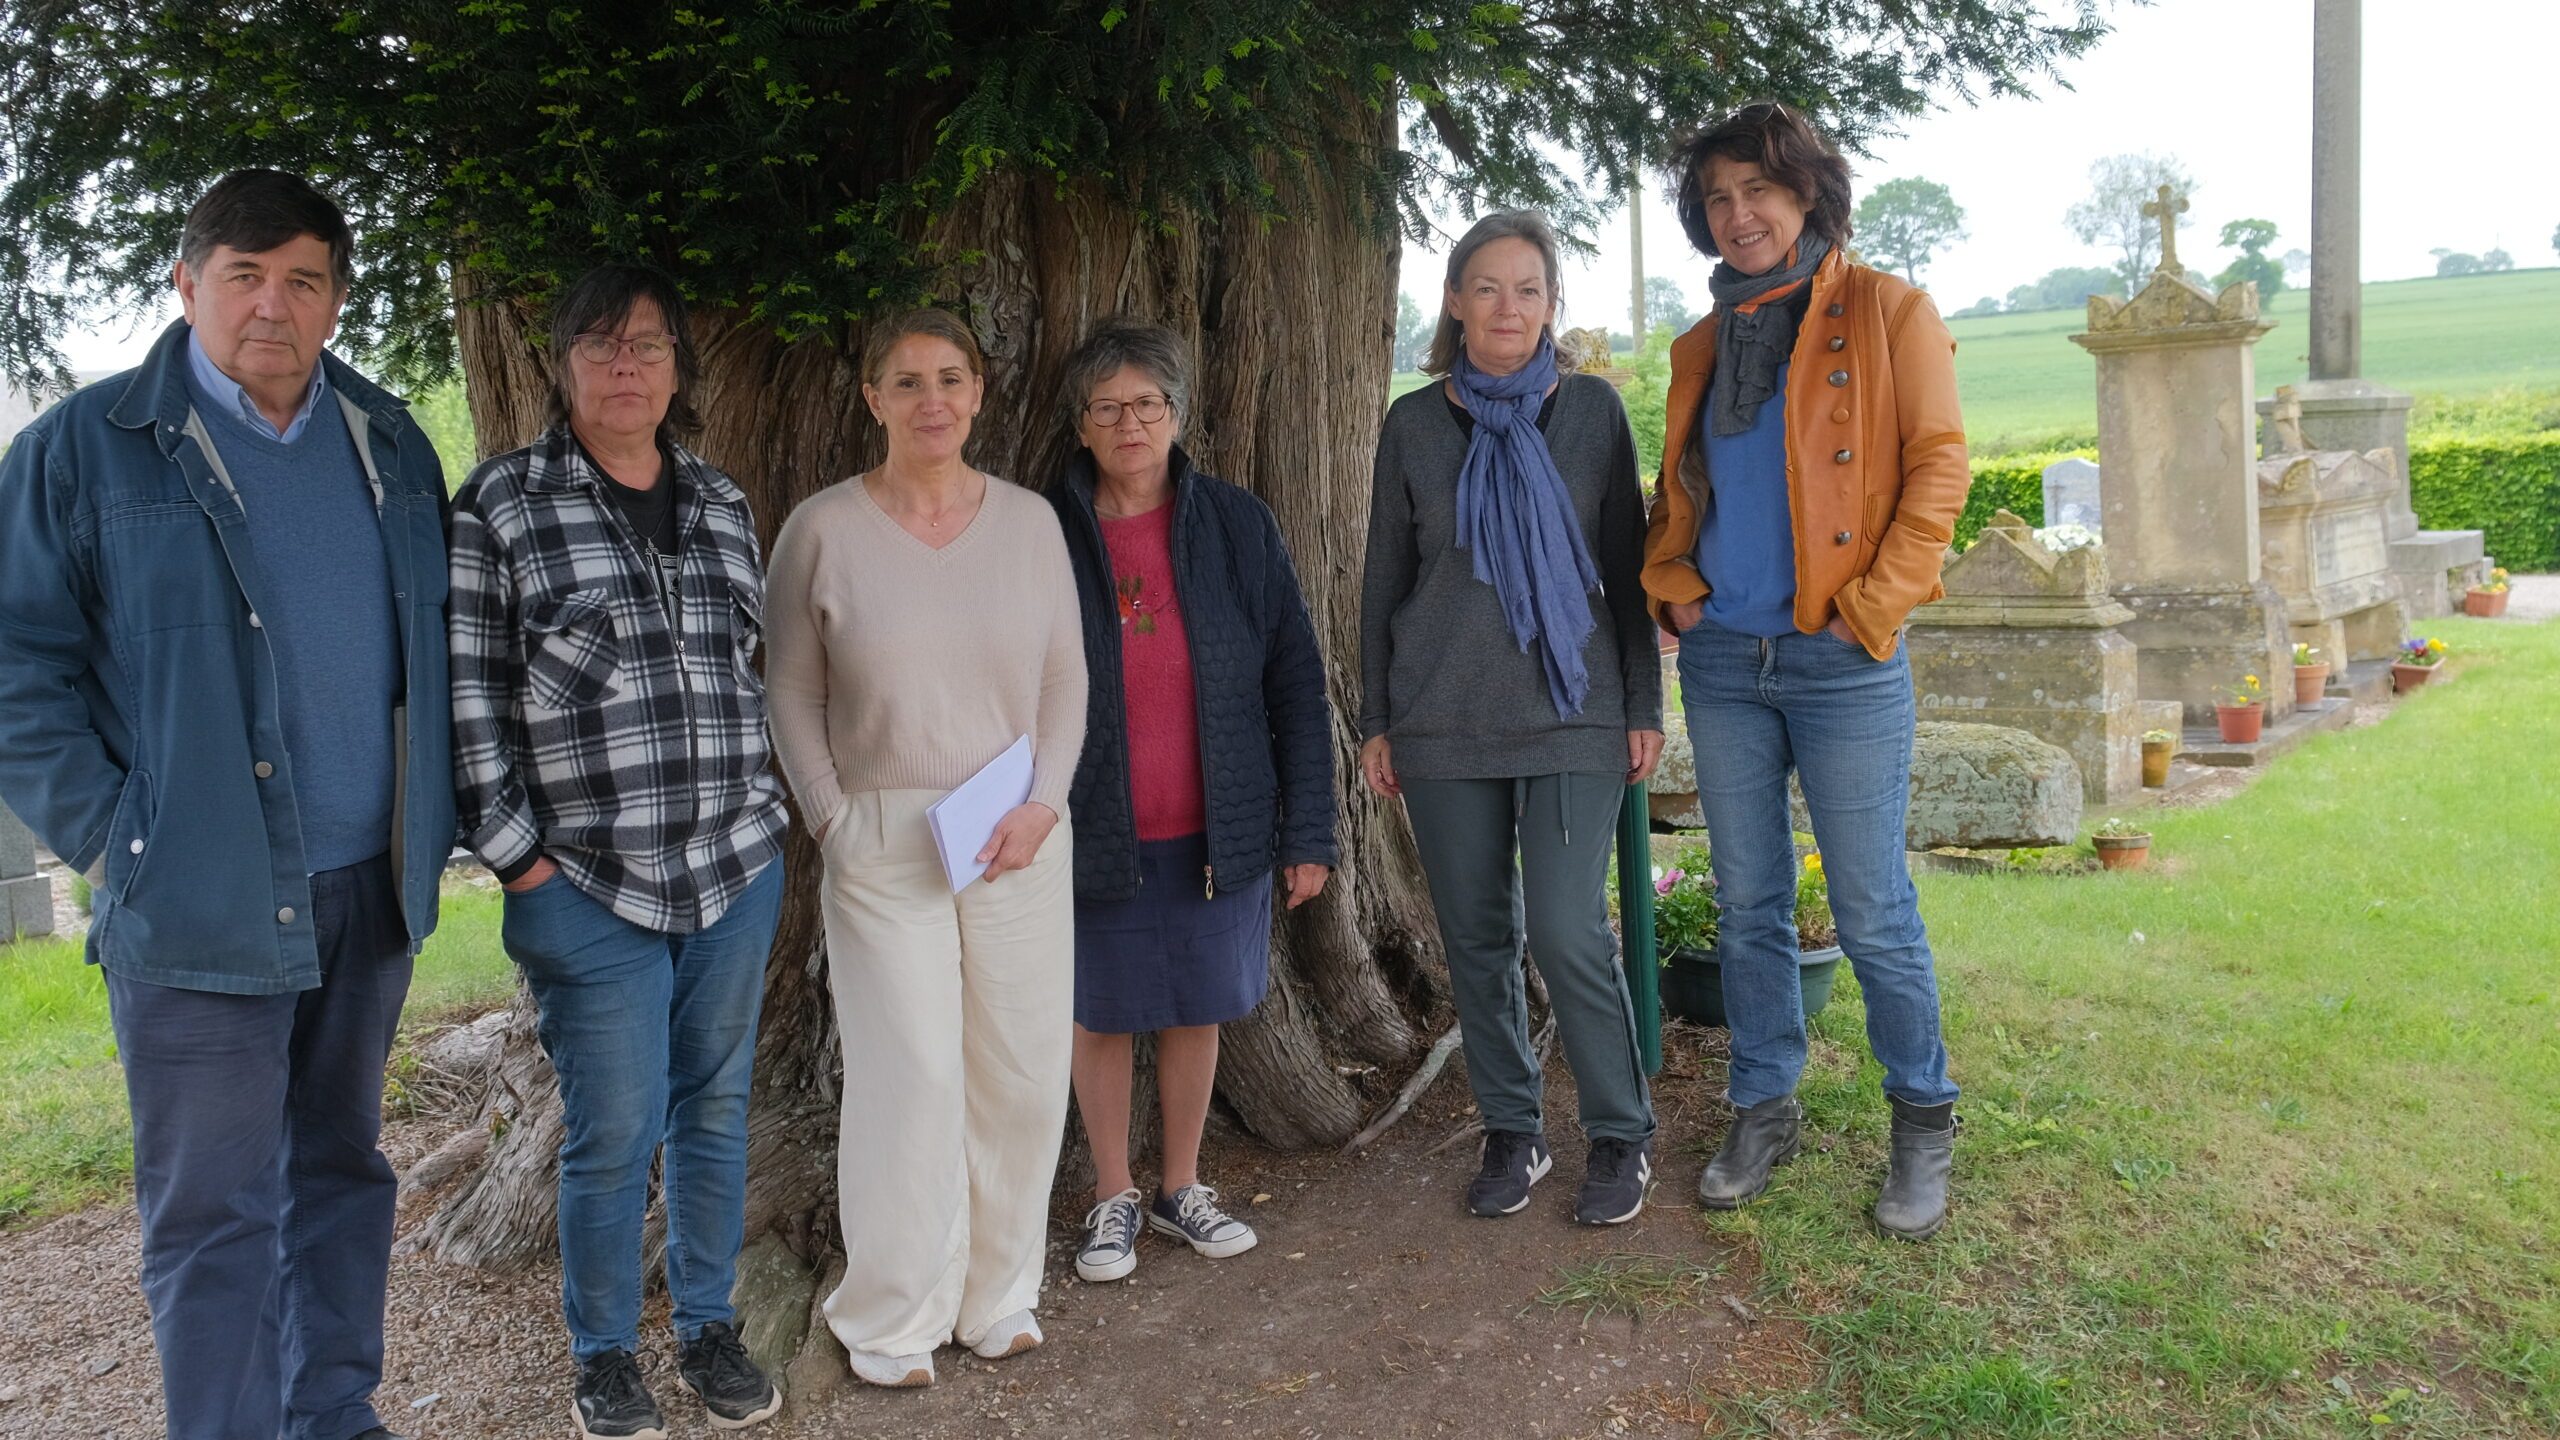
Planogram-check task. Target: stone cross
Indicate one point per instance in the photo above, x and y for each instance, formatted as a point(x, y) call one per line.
point(2285, 419)
point(2166, 210)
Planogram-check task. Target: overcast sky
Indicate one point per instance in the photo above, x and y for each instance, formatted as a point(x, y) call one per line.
point(2458, 151)
point(2458, 148)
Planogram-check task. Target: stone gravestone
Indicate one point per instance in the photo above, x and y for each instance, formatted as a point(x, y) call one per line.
point(2071, 494)
point(26, 898)
point(2428, 567)
point(2323, 517)
point(2028, 636)
point(2177, 483)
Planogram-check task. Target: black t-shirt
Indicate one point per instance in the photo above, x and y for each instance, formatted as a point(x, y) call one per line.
point(651, 513)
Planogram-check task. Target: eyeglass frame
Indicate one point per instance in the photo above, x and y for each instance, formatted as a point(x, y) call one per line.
point(1163, 402)
point(578, 345)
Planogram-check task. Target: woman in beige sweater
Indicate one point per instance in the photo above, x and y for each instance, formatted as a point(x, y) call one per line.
point(921, 618)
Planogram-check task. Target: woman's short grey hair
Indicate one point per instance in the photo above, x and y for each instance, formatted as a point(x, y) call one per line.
point(597, 303)
point(1527, 225)
point(1121, 341)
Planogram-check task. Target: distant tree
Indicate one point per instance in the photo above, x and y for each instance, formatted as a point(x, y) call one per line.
point(2455, 262)
point(2492, 261)
point(2555, 239)
point(1665, 305)
point(1987, 305)
point(2111, 216)
point(1902, 221)
point(2297, 267)
point(2067, 288)
point(1413, 333)
point(2252, 237)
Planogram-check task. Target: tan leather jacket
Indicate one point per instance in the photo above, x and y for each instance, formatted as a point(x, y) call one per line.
point(1876, 467)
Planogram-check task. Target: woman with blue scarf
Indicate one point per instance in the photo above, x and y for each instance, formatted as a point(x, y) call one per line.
point(1511, 693)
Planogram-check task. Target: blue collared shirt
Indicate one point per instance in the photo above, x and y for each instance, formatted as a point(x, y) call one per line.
point(220, 389)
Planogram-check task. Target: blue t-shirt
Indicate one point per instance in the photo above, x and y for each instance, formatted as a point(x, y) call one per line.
point(1747, 537)
point(324, 602)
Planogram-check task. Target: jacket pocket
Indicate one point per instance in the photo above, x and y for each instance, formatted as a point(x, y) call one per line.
point(571, 652)
point(129, 834)
point(1879, 516)
point(746, 635)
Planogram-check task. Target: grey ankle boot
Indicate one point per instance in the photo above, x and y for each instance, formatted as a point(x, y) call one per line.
point(1913, 1203)
point(1762, 1138)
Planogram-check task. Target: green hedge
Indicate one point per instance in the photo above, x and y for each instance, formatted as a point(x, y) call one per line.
point(2507, 487)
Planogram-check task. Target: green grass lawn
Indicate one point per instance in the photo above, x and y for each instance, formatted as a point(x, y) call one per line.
point(2263, 1143)
point(65, 1139)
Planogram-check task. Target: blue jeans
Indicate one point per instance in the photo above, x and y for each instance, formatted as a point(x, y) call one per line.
point(1842, 721)
point(266, 1203)
point(653, 1037)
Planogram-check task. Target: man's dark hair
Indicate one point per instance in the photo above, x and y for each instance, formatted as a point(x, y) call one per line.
point(253, 211)
point(1787, 149)
point(597, 303)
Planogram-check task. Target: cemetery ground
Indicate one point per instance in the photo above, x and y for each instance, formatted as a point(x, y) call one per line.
point(2262, 1142)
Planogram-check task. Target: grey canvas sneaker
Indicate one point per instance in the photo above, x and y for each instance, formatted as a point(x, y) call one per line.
point(1191, 1215)
point(1110, 1249)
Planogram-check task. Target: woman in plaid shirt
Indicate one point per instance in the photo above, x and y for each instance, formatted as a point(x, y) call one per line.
point(611, 763)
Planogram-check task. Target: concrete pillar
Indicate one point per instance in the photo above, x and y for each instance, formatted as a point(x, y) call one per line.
point(2337, 150)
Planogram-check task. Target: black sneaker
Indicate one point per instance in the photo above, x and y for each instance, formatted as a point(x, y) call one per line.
point(1614, 1182)
point(1512, 1163)
point(715, 1367)
point(614, 1403)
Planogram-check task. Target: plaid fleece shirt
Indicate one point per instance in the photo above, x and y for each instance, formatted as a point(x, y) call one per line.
point(585, 727)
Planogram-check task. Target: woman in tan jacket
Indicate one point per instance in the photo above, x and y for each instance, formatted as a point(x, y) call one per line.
point(1813, 468)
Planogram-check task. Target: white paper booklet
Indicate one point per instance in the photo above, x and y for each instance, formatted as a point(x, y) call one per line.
point(963, 819)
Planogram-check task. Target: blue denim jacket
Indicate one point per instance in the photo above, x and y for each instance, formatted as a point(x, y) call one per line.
point(138, 711)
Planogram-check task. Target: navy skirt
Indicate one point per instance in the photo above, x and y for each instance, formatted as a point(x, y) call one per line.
point(1172, 955)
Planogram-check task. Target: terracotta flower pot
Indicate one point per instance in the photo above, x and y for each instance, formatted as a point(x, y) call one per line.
point(2309, 682)
point(2241, 724)
point(2123, 852)
point(2405, 678)
point(2155, 762)
point(2487, 604)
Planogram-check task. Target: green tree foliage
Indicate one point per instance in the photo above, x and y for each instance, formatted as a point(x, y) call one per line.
point(2252, 237)
point(1665, 306)
point(1900, 223)
point(2494, 260)
point(2066, 288)
point(788, 159)
point(1413, 332)
point(2111, 217)
point(2455, 262)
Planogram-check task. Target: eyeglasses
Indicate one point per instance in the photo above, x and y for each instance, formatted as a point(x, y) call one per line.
point(1148, 408)
point(605, 349)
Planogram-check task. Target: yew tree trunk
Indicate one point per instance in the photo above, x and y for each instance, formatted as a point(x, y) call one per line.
point(1292, 324)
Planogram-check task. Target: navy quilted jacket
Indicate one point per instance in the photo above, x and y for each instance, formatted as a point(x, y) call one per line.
point(1266, 732)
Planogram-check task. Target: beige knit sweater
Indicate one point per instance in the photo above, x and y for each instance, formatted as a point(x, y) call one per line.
point(891, 665)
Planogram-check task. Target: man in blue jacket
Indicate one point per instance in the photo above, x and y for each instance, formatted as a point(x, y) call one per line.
point(223, 697)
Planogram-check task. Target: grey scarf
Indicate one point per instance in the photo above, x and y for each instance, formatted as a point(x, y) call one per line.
point(1755, 333)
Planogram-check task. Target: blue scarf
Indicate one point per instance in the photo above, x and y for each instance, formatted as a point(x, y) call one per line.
point(1515, 517)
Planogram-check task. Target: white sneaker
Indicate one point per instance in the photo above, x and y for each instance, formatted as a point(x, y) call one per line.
point(1009, 1336)
point(892, 1372)
point(1110, 1248)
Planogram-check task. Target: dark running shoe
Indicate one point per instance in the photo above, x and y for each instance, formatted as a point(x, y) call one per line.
point(1614, 1182)
point(1512, 1163)
point(716, 1368)
point(614, 1402)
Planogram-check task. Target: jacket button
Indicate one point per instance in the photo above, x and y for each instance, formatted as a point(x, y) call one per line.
point(1836, 310)
point(135, 847)
point(255, 623)
point(1840, 416)
point(285, 916)
point(1839, 342)
point(1838, 456)
point(1839, 378)
point(1840, 539)
point(264, 769)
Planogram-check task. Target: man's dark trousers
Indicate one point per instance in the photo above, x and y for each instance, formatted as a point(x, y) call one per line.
point(266, 1204)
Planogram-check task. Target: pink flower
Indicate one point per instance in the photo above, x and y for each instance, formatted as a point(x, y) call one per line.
point(1669, 879)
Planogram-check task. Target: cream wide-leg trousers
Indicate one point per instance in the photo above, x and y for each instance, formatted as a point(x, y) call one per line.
point(956, 1013)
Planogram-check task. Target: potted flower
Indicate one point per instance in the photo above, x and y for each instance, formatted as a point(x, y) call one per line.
point(2241, 711)
point(1686, 927)
point(2310, 674)
point(2416, 664)
point(2122, 845)
point(2487, 599)
point(2159, 747)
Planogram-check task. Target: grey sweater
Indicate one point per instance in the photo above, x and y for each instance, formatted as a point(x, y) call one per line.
point(1439, 673)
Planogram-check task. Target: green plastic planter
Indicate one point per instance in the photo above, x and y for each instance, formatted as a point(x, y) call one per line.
point(1693, 984)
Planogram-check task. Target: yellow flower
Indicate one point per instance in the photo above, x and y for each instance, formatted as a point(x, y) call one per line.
point(2249, 679)
point(1813, 863)
point(2435, 644)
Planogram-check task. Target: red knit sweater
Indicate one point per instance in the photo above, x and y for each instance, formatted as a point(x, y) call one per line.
point(1155, 675)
